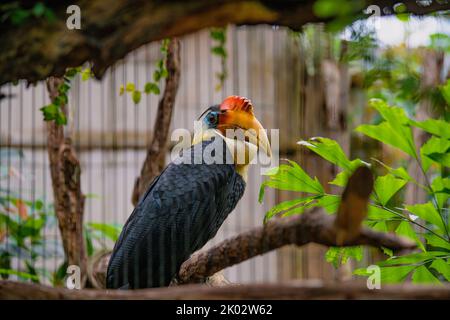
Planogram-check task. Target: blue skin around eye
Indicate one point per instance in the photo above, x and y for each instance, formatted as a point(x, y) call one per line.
point(211, 123)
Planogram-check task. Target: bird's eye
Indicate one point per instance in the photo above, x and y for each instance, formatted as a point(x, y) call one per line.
point(212, 118)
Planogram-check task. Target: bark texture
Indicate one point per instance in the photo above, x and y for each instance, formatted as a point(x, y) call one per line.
point(65, 173)
point(38, 48)
point(311, 227)
point(154, 161)
point(300, 290)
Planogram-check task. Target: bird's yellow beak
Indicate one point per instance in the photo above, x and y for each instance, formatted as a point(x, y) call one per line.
point(237, 112)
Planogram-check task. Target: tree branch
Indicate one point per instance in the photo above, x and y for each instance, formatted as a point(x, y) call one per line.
point(65, 172)
point(291, 291)
point(39, 48)
point(154, 161)
point(313, 226)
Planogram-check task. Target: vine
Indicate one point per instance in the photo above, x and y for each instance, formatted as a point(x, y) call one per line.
point(218, 35)
point(54, 111)
point(151, 86)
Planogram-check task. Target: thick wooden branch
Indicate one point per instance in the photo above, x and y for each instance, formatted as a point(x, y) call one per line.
point(291, 291)
point(39, 48)
point(154, 161)
point(65, 173)
point(313, 226)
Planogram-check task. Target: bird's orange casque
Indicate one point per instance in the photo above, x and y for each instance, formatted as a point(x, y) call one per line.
point(238, 112)
point(237, 103)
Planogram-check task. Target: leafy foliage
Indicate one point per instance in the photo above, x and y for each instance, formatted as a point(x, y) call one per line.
point(28, 234)
point(425, 223)
point(16, 14)
point(340, 12)
point(54, 111)
point(152, 86)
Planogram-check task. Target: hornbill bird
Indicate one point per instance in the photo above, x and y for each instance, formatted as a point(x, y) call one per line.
point(187, 203)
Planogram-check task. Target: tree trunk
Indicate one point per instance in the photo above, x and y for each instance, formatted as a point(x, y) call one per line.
point(65, 173)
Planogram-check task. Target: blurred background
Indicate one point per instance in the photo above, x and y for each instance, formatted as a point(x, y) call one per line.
point(306, 84)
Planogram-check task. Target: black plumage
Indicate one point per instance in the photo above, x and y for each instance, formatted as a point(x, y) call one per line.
point(182, 209)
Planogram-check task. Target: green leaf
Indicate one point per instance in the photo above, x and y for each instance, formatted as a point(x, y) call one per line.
point(86, 74)
point(387, 186)
point(329, 150)
point(386, 134)
point(219, 51)
point(405, 229)
point(156, 75)
point(340, 255)
point(400, 172)
point(121, 90)
point(380, 226)
point(130, 87)
point(61, 118)
point(108, 230)
point(361, 272)
point(442, 267)
point(160, 64)
point(376, 213)
point(445, 89)
point(395, 130)
point(437, 242)
point(286, 205)
point(441, 189)
point(63, 88)
point(19, 16)
point(422, 275)
point(435, 150)
point(39, 9)
point(436, 127)
point(53, 112)
point(395, 274)
point(89, 244)
point(50, 111)
point(387, 251)
point(440, 41)
point(295, 211)
point(71, 72)
point(333, 8)
point(151, 87)
point(20, 274)
point(342, 177)
point(218, 34)
point(392, 115)
point(329, 202)
point(291, 178)
point(164, 73)
point(427, 212)
point(413, 258)
point(136, 96)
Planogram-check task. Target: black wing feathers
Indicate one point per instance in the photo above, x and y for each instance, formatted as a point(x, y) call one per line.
point(182, 209)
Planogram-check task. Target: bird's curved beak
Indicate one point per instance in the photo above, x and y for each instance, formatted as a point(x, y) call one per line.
point(237, 112)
